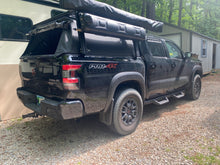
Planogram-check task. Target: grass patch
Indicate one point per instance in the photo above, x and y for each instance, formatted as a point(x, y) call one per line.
point(9, 128)
point(19, 119)
point(202, 159)
point(167, 150)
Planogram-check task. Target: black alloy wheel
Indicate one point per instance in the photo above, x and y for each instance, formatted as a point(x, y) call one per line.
point(194, 90)
point(127, 112)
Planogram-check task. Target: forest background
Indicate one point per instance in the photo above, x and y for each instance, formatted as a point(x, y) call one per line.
point(202, 16)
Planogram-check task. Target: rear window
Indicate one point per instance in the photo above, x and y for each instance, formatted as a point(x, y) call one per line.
point(98, 45)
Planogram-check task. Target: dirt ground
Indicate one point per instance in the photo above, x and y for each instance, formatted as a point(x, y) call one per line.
point(181, 132)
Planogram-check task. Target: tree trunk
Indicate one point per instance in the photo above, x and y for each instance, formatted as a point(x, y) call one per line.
point(114, 3)
point(180, 12)
point(125, 5)
point(190, 11)
point(161, 16)
point(171, 4)
point(143, 8)
point(150, 9)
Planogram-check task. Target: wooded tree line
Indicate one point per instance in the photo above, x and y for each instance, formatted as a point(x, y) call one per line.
point(202, 16)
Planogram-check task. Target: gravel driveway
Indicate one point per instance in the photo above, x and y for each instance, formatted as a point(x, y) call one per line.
point(181, 132)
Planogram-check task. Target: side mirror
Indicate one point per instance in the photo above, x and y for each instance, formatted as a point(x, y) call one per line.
point(188, 55)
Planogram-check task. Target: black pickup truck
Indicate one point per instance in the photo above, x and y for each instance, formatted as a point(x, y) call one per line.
point(78, 64)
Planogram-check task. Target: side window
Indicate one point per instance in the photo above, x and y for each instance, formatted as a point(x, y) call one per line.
point(204, 48)
point(14, 28)
point(173, 50)
point(98, 45)
point(156, 48)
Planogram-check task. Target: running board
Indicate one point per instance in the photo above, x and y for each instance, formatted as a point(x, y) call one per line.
point(179, 95)
point(164, 99)
point(34, 115)
point(161, 100)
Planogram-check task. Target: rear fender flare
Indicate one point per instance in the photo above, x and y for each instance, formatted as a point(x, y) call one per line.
point(122, 78)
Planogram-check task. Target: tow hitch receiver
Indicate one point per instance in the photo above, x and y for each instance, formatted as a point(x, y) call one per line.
point(34, 115)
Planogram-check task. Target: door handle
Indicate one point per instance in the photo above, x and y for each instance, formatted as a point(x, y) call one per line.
point(153, 65)
point(173, 65)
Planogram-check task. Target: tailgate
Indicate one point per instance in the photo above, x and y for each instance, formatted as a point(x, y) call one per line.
point(42, 76)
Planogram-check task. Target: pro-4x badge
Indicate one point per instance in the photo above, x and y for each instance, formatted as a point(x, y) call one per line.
point(103, 66)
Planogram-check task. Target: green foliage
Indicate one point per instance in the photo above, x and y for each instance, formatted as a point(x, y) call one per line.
point(211, 158)
point(202, 16)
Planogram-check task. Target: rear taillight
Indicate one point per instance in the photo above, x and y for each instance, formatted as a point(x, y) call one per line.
point(70, 78)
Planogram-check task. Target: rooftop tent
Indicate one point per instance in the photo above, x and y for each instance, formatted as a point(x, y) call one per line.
point(107, 11)
point(108, 27)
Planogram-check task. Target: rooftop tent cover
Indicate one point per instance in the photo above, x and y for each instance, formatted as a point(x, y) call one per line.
point(107, 11)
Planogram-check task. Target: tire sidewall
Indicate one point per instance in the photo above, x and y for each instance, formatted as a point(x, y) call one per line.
point(196, 78)
point(122, 98)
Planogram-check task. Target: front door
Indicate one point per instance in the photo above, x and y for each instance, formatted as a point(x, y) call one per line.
point(178, 76)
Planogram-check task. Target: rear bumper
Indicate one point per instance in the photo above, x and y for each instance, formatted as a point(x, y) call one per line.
point(56, 109)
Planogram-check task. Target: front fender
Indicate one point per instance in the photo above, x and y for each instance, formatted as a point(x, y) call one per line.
point(197, 69)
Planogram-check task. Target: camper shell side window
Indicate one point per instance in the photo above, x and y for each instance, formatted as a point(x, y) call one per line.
point(54, 42)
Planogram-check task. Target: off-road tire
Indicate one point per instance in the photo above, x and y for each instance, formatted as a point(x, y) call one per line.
point(194, 90)
point(127, 111)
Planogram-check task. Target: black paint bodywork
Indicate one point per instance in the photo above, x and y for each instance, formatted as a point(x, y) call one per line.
point(120, 63)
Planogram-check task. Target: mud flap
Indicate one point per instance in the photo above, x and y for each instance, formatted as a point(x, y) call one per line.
point(106, 116)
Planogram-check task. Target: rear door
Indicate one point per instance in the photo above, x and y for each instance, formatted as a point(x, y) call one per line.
point(157, 68)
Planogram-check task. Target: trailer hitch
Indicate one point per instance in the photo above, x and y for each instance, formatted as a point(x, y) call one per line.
point(34, 115)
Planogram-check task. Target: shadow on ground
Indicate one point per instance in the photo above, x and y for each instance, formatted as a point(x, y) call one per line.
point(152, 112)
point(50, 139)
point(213, 122)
